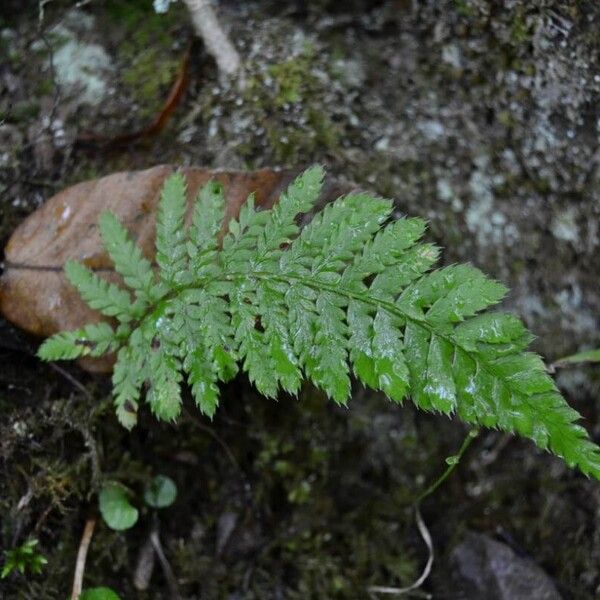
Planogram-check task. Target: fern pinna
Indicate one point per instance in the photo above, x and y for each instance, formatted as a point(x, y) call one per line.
point(351, 292)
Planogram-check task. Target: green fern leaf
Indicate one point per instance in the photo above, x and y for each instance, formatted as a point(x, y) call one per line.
point(95, 339)
point(127, 380)
point(203, 380)
point(171, 253)
point(101, 295)
point(281, 226)
point(129, 260)
point(207, 220)
point(206, 342)
point(351, 292)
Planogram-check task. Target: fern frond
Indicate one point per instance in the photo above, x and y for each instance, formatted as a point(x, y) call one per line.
point(171, 254)
point(352, 292)
point(334, 235)
point(206, 342)
point(129, 260)
point(95, 339)
point(300, 197)
point(127, 382)
point(101, 295)
point(203, 380)
point(207, 220)
point(164, 396)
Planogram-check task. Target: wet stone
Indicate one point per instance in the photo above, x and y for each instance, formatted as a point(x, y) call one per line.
point(485, 569)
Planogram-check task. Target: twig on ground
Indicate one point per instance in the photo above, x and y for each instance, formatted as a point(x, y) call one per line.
point(166, 567)
point(41, 11)
point(145, 566)
point(207, 26)
point(71, 379)
point(84, 546)
point(490, 456)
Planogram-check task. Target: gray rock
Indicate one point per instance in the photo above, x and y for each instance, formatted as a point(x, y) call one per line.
point(485, 569)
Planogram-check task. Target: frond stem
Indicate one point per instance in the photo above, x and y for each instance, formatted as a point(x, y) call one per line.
point(452, 464)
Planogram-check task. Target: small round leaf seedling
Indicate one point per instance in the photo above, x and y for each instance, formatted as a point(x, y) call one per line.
point(99, 593)
point(160, 492)
point(115, 507)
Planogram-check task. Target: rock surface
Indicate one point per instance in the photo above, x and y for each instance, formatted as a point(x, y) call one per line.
point(82, 68)
point(34, 293)
point(489, 570)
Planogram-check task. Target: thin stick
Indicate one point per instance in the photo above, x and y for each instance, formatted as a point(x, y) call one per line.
point(76, 383)
point(166, 567)
point(207, 26)
point(84, 545)
point(145, 566)
point(41, 8)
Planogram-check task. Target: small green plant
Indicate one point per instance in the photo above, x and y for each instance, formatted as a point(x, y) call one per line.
point(161, 492)
point(99, 593)
point(24, 559)
point(351, 292)
point(586, 356)
point(116, 508)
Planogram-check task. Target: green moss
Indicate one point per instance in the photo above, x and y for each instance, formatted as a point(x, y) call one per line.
point(293, 78)
point(506, 119)
point(133, 13)
point(44, 87)
point(148, 75)
point(148, 64)
point(464, 8)
point(24, 110)
point(287, 99)
point(520, 32)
